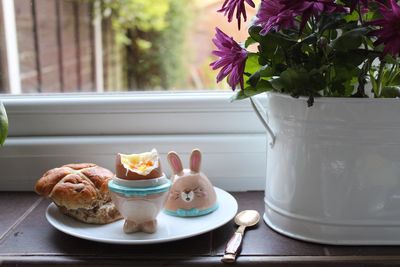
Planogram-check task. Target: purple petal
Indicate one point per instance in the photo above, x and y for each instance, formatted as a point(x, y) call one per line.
point(230, 6)
point(388, 32)
point(232, 59)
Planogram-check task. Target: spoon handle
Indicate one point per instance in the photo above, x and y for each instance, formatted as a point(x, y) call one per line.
point(234, 245)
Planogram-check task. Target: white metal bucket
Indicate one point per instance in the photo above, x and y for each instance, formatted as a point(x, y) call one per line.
point(333, 169)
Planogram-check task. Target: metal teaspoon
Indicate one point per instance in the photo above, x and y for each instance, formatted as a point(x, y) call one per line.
point(244, 219)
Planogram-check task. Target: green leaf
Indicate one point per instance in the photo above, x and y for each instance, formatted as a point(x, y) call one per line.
point(390, 92)
point(350, 40)
point(385, 76)
point(280, 39)
point(373, 10)
point(253, 68)
point(277, 84)
point(331, 21)
point(262, 86)
point(374, 83)
point(272, 45)
point(337, 88)
point(239, 95)
point(395, 80)
point(264, 71)
point(344, 80)
point(294, 79)
point(252, 63)
point(317, 82)
point(311, 39)
point(342, 88)
point(334, 34)
point(390, 59)
point(3, 124)
point(253, 79)
point(249, 42)
point(352, 16)
point(350, 86)
point(254, 32)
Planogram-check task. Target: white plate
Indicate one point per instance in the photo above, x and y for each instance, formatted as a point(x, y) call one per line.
point(170, 228)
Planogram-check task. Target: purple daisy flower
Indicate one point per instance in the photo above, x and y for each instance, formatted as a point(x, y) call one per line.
point(272, 15)
point(389, 32)
point(229, 7)
point(315, 7)
point(232, 59)
point(309, 8)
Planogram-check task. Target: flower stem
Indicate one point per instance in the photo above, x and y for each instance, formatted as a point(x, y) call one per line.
point(379, 80)
point(392, 69)
point(359, 13)
point(362, 81)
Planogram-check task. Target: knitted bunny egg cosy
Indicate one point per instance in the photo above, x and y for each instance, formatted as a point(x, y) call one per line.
point(192, 193)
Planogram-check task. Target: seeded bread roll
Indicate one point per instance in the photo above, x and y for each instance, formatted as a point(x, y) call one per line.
point(80, 191)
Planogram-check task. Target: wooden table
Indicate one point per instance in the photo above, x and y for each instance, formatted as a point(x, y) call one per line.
point(27, 239)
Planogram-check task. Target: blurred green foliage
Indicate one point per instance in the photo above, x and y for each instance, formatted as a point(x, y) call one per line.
point(153, 33)
point(3, 124)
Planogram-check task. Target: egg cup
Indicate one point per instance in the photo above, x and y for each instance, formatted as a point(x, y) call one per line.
point(139, 201)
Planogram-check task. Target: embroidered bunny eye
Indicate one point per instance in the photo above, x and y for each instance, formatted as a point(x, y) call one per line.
point(175, 194)
point(199, 192)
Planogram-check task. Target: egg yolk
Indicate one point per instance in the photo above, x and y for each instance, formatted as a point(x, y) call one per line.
point(141, 166)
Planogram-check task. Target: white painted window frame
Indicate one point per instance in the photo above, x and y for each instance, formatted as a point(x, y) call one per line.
point(47, 131)
point(11, 42)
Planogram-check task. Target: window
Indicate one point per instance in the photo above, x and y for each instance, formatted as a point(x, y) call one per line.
point(75, 46)
point(52, 46)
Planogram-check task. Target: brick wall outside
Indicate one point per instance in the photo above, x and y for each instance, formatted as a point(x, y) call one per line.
point(56, 48)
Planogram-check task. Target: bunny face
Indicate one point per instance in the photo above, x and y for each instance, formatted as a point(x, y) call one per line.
point(191, 194)
point(191, 191)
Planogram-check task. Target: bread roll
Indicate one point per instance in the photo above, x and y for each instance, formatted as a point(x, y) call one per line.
point(80, 191)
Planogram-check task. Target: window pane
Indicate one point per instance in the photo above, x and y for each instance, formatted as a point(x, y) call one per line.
point(109, 45)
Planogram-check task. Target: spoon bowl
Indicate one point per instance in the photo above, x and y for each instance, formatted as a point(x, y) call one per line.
point(247, 218)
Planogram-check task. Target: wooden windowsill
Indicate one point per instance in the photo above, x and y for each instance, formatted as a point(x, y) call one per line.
point(27, 239)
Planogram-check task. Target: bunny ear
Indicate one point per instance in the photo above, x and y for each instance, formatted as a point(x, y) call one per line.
point(175, 162)
point(195, 160)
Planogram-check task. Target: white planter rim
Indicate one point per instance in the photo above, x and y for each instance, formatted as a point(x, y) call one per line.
point(327, 99)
